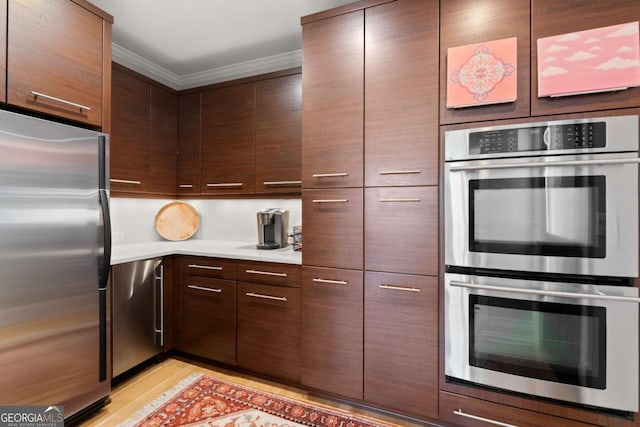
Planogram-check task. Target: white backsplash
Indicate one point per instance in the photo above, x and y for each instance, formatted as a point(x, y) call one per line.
point(132, 220)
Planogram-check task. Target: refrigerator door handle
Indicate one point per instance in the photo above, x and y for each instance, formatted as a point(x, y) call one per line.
point(103, 274)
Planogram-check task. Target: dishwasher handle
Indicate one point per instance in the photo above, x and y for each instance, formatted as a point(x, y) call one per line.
point(159, 303)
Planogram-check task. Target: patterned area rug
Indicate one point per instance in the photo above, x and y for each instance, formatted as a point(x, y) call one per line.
point(201, 400)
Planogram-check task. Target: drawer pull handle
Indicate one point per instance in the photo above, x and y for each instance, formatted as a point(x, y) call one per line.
point(282, 182)
point(400, 172)
point(205, 267)
point(399, 288)
point(125, 181)
point(226, 184)
point(253, 295)
point(60, 100)
point(266, 273)
point(202, 288)
point(333, 282)
point(186, 186)
point(399, 200)
point(329, 201)
point(329, 175)
point(486, 420)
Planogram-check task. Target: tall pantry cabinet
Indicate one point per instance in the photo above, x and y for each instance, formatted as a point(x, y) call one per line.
point(370, 204)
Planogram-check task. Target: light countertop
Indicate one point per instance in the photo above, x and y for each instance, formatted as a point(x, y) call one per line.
point(210, 248)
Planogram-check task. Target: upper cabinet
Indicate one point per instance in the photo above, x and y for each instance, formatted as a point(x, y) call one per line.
point(56, 56)
point(333, 102)
point(401, 82)
point(465, 22)
point(551, 18)
point(278, 133)
point(189, 144)
point(163, 138)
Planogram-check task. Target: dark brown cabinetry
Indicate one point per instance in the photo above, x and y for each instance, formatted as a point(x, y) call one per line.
point(332, 346)
point(332, 106)
point(189, 120)
point(56, 52)
point(208, 309)
point(143, 137)
point(549, 18)
point(400, 123)
point(401, 343)
point(468, 22)
point(278, 135)
point(228, 147)
point(3, 51)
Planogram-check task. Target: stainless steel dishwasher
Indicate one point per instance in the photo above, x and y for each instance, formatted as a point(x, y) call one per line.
point(138, 311)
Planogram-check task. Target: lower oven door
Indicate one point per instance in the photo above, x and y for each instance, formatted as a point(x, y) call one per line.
point(565, 341)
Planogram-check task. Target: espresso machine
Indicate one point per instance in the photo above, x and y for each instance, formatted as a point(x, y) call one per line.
point(273, 224)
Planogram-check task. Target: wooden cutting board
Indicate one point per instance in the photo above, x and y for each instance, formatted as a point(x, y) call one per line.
point(177, 221)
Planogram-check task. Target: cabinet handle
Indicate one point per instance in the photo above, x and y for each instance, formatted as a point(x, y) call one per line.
point(60, 100)
point(282, 183)
point(202, 288)
point(329, 201)
point(400, 172)
point(329, 175)
point(399, 288)
point(333, 282)
point(486, 420)
point(186, 186)
point(125, 181)
point(251, 294)
point(226, 184)
point(266, 273)
point(399, 200)
point(205, 267)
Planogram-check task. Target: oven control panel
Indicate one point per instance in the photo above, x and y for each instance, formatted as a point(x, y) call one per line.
point(539, 138)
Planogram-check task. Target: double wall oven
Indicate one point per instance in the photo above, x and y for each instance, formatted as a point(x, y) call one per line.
point(541, 254)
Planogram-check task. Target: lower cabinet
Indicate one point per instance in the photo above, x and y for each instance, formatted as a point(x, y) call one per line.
point(269, 320)
point(401, 343)
point(332, 330)
point(208, 318)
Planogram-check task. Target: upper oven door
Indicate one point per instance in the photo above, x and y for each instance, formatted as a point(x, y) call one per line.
point(556, 214)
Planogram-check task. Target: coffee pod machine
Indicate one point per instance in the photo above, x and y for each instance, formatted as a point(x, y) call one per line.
point(273, 224)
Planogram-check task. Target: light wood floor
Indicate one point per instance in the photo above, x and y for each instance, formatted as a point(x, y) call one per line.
point(138, 391)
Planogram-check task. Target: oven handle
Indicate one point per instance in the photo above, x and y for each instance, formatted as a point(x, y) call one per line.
point(545, 164)
point(545, 293)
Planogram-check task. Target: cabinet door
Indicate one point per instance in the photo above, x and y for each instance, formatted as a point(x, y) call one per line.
point(269, 323)
point(332, 106)
point(3, 51)
point(129, 142)
point(279, 135)
point(54, 48)
point(228, 149)
point(208, 318)
point(189, 144)
point(401, 230)
point(464, 22)
point(550, 18)
point(332, 330)
point(163, 136)
point(333, 228)
point(401, 343)
point(401, 76)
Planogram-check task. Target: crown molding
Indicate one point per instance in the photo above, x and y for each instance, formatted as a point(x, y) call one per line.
point(175, 81)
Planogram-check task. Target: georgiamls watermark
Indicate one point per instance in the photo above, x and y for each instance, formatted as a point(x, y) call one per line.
point(32, 416)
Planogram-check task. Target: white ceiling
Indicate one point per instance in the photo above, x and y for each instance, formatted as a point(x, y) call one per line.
point(185, 43)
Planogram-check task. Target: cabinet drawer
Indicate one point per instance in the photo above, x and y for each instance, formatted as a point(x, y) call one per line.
point(466, 411)
point(333, 228)
point(401, 230)
point(332, 330)
point(209, 267)
point(208, 318)
point(269, 273)
point(269, 323)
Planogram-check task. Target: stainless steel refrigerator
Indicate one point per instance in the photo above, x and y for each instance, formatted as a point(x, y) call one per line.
point(54, 264)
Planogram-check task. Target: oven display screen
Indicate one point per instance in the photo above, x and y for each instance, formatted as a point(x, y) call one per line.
point(550, 341)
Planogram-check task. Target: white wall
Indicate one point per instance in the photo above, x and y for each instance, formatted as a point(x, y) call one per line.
point(132, 220)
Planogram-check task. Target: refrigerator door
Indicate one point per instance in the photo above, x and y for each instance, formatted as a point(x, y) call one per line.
point(137, 313)
point(51, 252)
